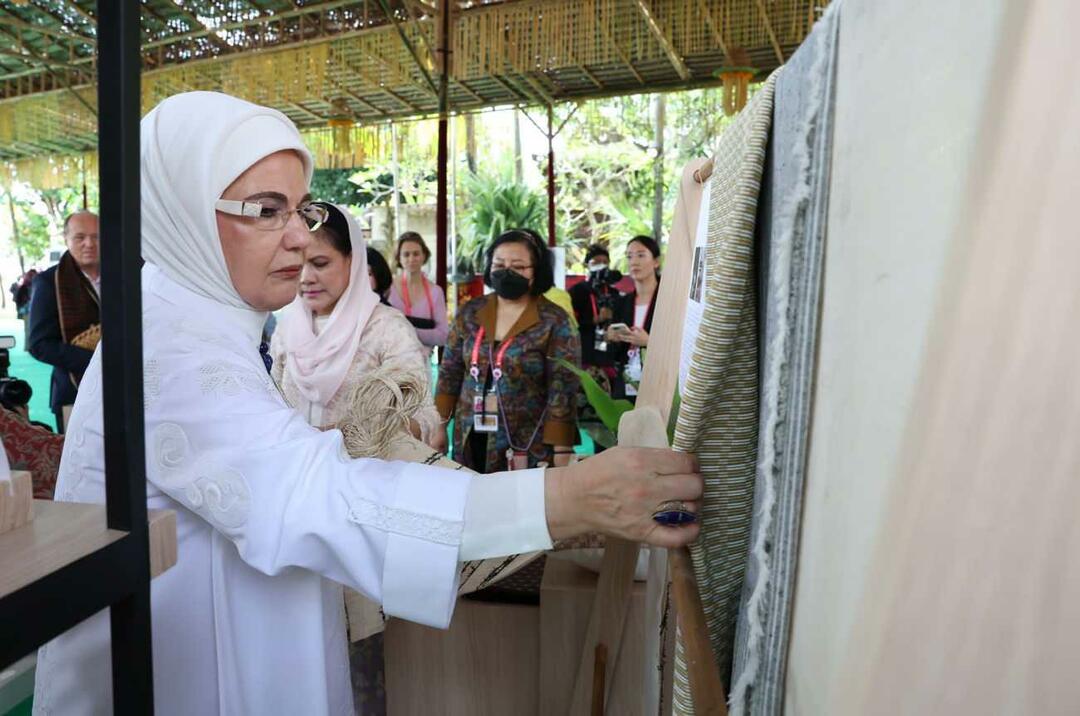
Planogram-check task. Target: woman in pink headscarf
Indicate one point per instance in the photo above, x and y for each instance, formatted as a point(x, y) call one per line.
point(337, 331)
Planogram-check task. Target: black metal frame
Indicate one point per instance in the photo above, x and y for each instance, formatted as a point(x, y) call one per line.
point(118, 575)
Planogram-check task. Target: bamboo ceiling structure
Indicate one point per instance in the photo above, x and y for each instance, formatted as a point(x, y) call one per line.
point(339, 68)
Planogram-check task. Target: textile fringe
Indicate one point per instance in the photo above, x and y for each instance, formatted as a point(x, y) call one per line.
point(380, 406)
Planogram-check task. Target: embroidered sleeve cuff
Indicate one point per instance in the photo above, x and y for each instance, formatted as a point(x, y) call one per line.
point(445, 403)
point(558, 432)
point(505, 515)
point(424, 530)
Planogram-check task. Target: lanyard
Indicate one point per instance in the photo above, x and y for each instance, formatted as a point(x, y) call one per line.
point(595, 310)
point(408, 301)
point(496, 372)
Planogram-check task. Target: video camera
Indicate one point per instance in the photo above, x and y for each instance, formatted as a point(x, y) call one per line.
point(602, 282)
point(14, 392)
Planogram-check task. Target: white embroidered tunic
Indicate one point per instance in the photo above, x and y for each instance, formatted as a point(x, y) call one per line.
point(272, 518)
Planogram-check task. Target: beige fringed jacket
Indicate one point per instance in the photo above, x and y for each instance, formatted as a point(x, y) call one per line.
point(388, 340)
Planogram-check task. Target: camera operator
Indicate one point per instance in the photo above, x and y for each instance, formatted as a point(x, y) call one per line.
point(594, 305)
point(27, 445)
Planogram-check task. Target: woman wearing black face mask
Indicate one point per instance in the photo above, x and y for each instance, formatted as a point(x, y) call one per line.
point(513, 404)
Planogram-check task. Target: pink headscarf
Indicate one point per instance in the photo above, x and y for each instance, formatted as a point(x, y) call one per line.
point(318, 363)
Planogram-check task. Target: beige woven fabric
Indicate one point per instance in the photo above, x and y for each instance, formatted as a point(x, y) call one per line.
point(718, 420)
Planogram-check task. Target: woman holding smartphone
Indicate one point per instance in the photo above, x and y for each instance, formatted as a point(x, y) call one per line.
point(629, 331)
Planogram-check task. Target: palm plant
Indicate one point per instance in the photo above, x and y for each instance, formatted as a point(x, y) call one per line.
point(495, 205)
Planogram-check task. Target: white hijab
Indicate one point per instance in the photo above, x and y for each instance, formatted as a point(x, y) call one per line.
point(193, 146)
point(319, 362)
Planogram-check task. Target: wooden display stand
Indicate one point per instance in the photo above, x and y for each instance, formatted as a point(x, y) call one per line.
point(485, 664)
point(16, 501)
point(60, 533)
point(509, 658)
point(566, 599)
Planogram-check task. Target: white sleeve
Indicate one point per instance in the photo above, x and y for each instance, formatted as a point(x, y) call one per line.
point(505, 514)
point(227, 447)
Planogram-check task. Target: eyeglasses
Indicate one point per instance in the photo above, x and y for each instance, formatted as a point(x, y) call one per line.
point(498, 266)
point(272, 217)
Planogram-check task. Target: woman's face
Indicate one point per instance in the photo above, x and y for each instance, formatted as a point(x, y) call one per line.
point(325, 276)
point(514, 256)
point(265, 265)
point(411, 257)
point(640, 261)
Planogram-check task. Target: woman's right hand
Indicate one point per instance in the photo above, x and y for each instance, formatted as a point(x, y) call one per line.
point(437, 440)
point(616, 493)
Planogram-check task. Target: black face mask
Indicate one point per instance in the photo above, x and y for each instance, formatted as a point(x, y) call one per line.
point(509, 284)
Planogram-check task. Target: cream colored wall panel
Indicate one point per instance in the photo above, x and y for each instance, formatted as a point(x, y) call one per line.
point(912, 83)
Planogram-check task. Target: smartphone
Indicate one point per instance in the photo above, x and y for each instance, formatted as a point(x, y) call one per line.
point(620, 327)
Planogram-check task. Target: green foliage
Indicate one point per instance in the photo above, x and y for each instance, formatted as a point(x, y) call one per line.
point(496, 205)
point(609, 410)
point(334, 186)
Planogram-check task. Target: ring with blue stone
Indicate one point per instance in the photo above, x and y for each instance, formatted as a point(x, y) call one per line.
point(673, 513)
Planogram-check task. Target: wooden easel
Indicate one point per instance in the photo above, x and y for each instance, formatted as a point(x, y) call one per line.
point(646, 427)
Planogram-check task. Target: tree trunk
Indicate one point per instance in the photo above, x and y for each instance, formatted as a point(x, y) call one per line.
point(470, 142)
point(659, 103)
point(518, 168)
point(15, 234)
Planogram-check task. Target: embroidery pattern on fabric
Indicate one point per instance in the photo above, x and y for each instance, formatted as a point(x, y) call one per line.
point(221, 378)
point(403, 522)
point(151, 383)
point(215, 491)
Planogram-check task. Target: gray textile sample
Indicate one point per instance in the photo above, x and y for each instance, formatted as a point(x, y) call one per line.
point(791, 234)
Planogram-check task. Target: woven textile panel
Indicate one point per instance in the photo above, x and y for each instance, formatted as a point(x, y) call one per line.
point(791, 236)
point(718, 419)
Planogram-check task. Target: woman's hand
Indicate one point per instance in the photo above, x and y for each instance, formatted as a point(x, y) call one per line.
point(562, 455)
point(638, 337)
point(437, 440)
point(617, 492)
point(613, 336)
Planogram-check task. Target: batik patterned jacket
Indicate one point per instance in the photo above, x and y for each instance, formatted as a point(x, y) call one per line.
point(533, 388)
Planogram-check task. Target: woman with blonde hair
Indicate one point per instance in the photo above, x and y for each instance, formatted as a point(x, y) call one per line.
point(422, 302)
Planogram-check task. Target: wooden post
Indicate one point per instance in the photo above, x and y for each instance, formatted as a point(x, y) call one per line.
point(551, 176)
point(441, 206)
point(658, 105)
point(396, 168)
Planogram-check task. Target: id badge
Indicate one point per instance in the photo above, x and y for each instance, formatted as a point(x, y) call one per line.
point(598, 341)
point(485, 413)
point(516, 459)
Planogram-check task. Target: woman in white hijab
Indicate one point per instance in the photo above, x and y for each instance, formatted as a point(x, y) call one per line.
point(272, 516)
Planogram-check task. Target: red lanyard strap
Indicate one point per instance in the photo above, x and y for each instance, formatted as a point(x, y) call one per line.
point(595, 310)
point(474, 368)
point(497, 372)
point(407, 300)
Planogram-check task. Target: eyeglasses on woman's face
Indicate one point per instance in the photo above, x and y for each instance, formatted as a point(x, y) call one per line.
point(272, 213)
point(519, 266)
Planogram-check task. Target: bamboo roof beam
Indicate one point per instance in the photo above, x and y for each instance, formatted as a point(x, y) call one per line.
point(665, 42)
point(311, 9)
point(622, 54)
point(83, 13)
point(13, 20)
point(409, 46)
point(538, 88)
point(769, 29)
point(308, 112)
point(359, 100)
point(514, 92)
point(591, 77)
point(194, 22)
point(714, 27)
point(59, 19)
